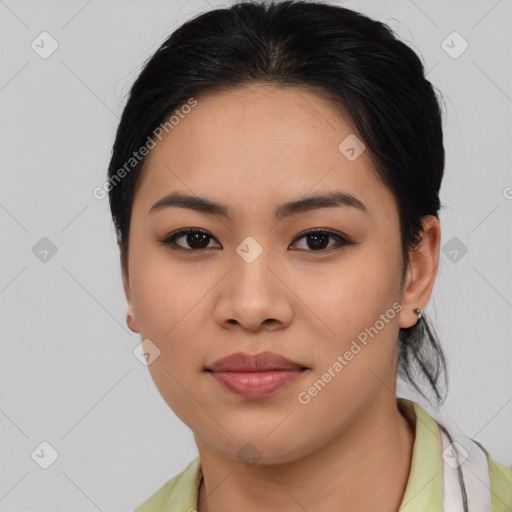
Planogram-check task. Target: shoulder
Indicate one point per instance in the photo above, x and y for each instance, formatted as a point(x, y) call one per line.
point(429, 448)
point(180, 491)
point(501, 483)
point(158, 500)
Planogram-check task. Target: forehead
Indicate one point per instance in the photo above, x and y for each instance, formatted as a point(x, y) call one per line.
point(260, 144)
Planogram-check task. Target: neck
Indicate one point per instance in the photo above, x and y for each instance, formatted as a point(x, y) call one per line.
point(374, 453)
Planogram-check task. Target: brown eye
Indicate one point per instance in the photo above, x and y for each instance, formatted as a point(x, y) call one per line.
point(318, 240)
point(196, 239)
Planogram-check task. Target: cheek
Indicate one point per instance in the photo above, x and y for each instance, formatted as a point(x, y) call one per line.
point(167, 307)
point(351, 294)
point(165, 292)
point(167, 313)
point(358, 321)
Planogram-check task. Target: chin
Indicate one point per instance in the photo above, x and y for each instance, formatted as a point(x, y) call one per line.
point(259, 448)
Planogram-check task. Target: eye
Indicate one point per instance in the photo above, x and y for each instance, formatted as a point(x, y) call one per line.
point(318, 240)
point(198, 240)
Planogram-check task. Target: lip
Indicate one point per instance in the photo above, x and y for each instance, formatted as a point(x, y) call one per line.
point(255, 375)
point(243, 362)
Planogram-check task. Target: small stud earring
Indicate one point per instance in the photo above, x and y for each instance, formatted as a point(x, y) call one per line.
point(418, 312)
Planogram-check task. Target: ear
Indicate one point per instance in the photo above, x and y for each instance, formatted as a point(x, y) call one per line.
point(421, 272)
point(131, 318)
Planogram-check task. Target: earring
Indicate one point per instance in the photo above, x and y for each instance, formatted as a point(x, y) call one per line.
point(418, 312)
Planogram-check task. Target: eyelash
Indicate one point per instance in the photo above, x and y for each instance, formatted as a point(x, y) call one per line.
point(341, 240)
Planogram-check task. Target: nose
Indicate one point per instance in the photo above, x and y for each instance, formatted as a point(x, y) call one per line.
point(254, 295)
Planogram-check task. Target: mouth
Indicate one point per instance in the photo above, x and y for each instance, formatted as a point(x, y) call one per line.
point(255, 376)
point(264, 361)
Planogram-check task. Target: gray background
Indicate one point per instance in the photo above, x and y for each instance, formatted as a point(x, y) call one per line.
point(68, 375)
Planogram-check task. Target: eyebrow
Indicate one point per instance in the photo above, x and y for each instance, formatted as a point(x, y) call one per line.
point(204, 205)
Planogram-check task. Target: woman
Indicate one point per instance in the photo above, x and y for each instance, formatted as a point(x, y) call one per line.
point(274, 184)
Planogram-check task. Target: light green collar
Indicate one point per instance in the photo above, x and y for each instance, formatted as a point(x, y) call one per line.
point(424, 490)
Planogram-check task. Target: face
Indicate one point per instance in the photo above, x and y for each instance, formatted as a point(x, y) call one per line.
point(309, 283)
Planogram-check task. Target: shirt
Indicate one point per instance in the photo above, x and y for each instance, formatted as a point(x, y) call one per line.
point(424, 489)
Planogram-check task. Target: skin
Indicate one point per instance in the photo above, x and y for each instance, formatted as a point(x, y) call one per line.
point(252, 149)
